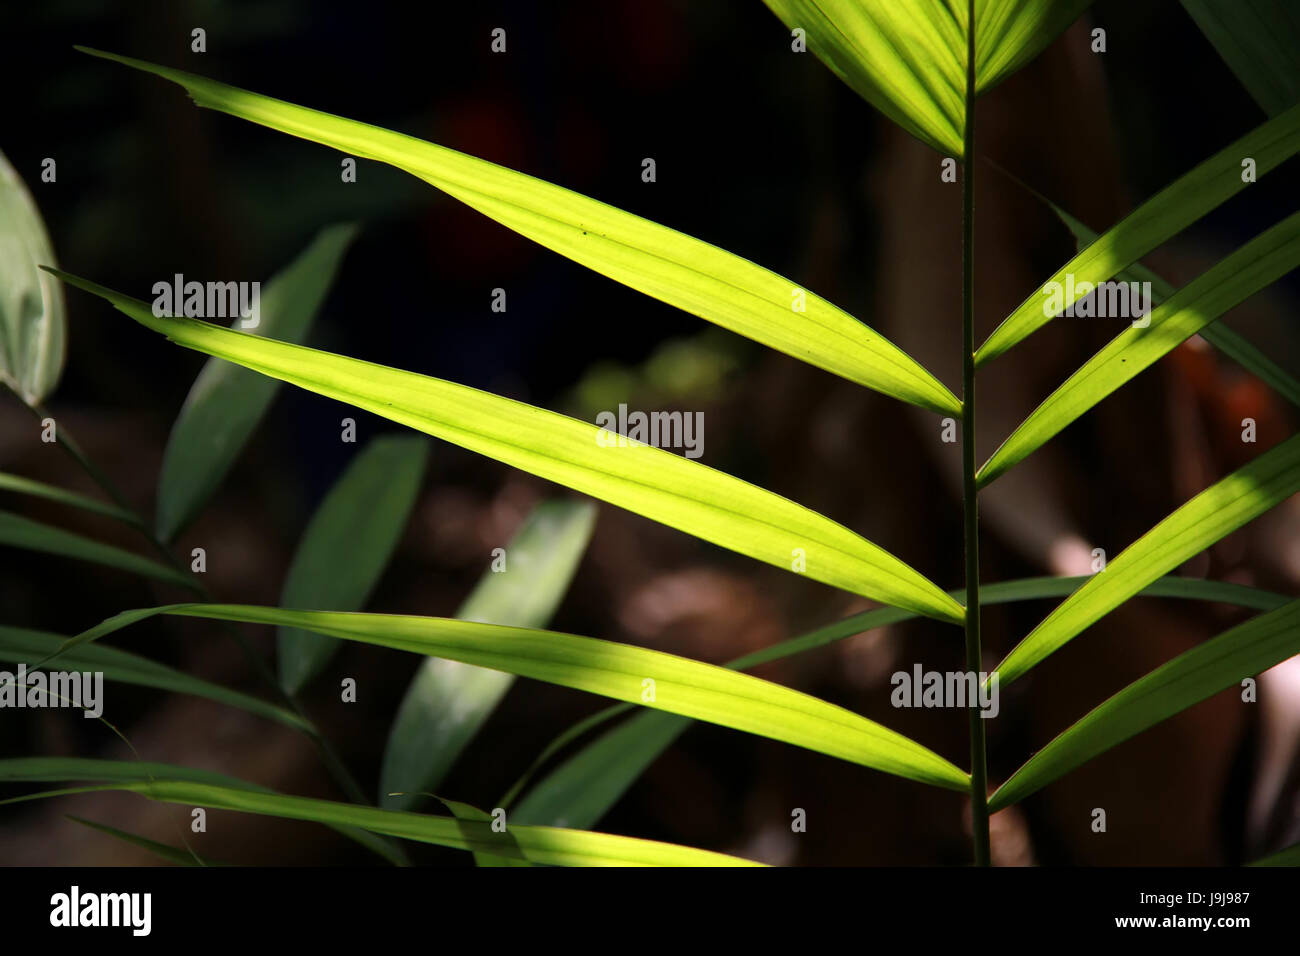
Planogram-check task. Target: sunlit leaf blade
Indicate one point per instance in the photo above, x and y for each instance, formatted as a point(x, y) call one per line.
point(448, 701)
point(909, 59)
point(633, 674)
point(1286, 857)
point(515, 857)
point(1010, 33)
point(346, 546)
point(20, 645)
point(580, 790)
point(1263, 260)
point(40, 489)
point(1217, 511)
point(227, 402)
point(19, 532)
point(543, 845)
point(67, 769)
point(1158, 219)
point(684, 272)
point(664, 487)
point(1260, 42)
point(1230, 343)
point(32, 323)
point(1224, 661)
point(172, 854)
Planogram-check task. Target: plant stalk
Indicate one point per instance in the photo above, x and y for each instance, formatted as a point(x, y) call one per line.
point(970, 504)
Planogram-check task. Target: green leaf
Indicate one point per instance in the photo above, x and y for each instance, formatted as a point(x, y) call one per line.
point(544, 845)
point(20, 645)
point(347, 545)
point(1217, 511)
point(583, 788)
point(619, 671)
point(1224, 661)
point(227, 402)
point(20, 532)
point(1161, 217)
point(1263, 260)
point(145, 773)
point(40, 489)
point(173, 854)
point(909, 59)
point(1260, 42)
point(1286, 857)
point(448, 701)
point(514, 856)
point(33, 327)
point(664, 487)
point(1230, 343)
point(684, 272)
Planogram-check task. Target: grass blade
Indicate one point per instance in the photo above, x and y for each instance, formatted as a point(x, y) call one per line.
point(583, 788)
point(33, 327)
point(632, 674)
point(1290, 856)
point(172, 854)
point(145, 773)
point(40, 489)
point(448, 701)
point(664, 487)
point(227, 402)
point(347, 545)
point(1263, 260)
point(20, 645)
point(1223, 661)
point(514, 857)
point(1161, 217)
point(1230, 343)
point(684, 272)
point(543, 845)
point(1218, 510)
point(20, 532)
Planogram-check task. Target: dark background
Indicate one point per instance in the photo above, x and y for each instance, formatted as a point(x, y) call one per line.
point(760, 151)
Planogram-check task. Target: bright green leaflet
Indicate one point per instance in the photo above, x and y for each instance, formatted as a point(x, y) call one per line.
point(172, 854)
point(583, 788)
point(1188, 679)
point(545, 845)
point(684, 272)
point(1217, 511)
point(1161, 217)
point(347, 545)
point(1260, 42)
point(1263, 260)
point(664, 487)
point(227, 402)
point(20, 532)
point(448, 701)
point(64, 769)
point(39, 489)
point(26, 646)
point(33, 327)
point(909, 59)
point(632, 674)
point(1230, 343)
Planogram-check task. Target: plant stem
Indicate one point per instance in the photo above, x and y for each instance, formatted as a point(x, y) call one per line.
point(970, 502)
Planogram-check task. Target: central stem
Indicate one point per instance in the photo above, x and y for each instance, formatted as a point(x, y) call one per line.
point(978, 771)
